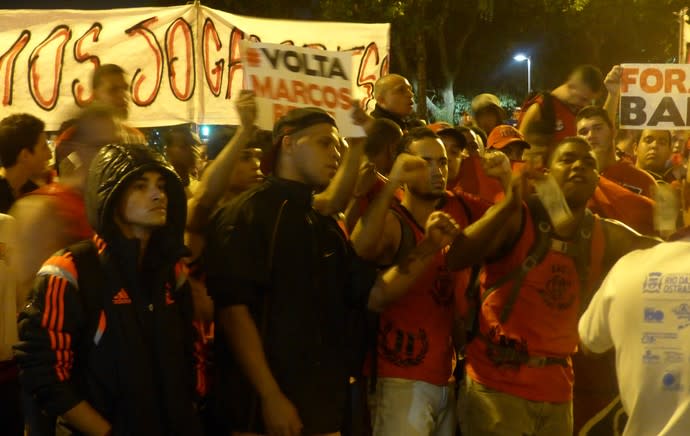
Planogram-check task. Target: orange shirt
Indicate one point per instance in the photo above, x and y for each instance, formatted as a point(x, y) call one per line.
point(611, 200)
point(473, 180)
point(543, 321)
point(628, 176)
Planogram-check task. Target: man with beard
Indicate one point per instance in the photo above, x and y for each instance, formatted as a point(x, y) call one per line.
point(540, 269)
point(412, 362)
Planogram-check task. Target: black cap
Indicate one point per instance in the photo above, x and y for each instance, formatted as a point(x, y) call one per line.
point(298, 119)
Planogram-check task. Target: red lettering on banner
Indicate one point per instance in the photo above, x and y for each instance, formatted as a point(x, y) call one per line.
point(59, 35)
point(235, 63)
point(7, 62)
point(82, 56)
point(370, 70)
point(139, 77)
point(296, 91)
point(658, 81)
point(214, 76)
point(188, 70)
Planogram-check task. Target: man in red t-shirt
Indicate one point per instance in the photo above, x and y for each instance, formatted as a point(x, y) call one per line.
point(519, 367)
point(548, 118)
point(413, 360)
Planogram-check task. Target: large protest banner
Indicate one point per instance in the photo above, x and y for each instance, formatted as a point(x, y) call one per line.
point(655, 96)
point(284, 77)
point(183, 62)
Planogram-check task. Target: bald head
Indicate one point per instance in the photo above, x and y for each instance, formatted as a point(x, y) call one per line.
point(394, 94)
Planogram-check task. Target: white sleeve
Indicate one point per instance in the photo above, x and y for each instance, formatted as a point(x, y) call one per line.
point(594, 328)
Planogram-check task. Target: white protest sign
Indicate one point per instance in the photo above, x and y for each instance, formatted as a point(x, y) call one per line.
point(285, 77)
point(655, 96)
point(183, 62)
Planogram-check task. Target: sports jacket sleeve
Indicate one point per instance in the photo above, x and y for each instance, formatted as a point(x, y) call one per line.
point(49, 328)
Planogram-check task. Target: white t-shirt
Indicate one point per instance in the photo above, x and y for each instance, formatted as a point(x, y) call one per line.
point(643, 310)
point(8, 288)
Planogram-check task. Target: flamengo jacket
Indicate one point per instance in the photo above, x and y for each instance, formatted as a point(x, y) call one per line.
point(135, 365)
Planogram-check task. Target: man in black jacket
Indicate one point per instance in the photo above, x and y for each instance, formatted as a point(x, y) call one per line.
point(286, 285)
point(106, 339)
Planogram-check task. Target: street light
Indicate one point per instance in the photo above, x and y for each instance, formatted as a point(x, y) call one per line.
point(521, 58)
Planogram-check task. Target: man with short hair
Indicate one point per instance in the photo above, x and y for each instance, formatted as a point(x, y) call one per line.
point(456, 144)
point(107, 342)
point(548, 118)
point(394, 99)
point(539, 269)
point(181, 150)
point(653, 152)
point(594, 124)
point(488, 112)
point(286, 286)
point(24, 155)
point(641, 311)
point(413, 358)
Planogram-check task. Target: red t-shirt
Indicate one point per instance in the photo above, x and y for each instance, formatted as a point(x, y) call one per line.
point(543, 321)
point(70, 208)
point(611, 200)
point(628, 176)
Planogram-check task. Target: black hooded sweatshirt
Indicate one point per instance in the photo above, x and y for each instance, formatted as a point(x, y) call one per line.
point(131, 357)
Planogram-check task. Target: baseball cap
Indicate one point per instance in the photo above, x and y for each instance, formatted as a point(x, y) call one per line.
point(298, 119)
point(294, 121)
point(486, 100)
point(504, 135)
point(444, 128)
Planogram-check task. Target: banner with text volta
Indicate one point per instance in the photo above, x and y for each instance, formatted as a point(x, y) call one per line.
point(655, 96)
point(284, 77)
point(183, 62)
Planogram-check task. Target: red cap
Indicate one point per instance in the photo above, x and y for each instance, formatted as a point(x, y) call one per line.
point(503, 135)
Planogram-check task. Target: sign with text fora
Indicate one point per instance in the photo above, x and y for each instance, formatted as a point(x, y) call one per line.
point(284, 78)
point(655, 96)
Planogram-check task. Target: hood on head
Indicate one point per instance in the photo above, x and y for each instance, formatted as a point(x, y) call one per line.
point(110, 172)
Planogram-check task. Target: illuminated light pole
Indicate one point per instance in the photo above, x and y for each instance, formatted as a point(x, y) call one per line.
point(521, 58)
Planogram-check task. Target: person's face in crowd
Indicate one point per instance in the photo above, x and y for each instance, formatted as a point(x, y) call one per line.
point(473, 140)
point(679, 140)
point(653, 150)
point(181, 155)
point(114, 92)
point(574, 167)
point(314, 153)
point(454, 153)
point(514, 151)
point(36, 161)
point(398, 98)
point(433, 184)
point(247, 172)
point(579, 94)
point(143, 206)
point(487, 119)
point(598, 134)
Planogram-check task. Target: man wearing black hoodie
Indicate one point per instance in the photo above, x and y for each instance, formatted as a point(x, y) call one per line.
point(106, 338)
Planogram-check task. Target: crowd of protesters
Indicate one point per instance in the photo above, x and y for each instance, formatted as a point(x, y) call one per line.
point(427, 279)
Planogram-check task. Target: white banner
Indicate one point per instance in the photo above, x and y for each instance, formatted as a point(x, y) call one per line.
point(284, 77)
point(655, 96)
point(183, 62)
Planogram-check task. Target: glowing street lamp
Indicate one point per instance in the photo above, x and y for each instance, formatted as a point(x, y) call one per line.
point(521, 58)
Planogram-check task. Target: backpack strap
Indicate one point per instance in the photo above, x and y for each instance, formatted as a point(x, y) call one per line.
point(537, 253)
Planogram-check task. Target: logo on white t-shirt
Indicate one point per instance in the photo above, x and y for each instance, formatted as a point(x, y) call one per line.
point(652, 283)
point(650, 357)
point(653, 315)
point(671, 381)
